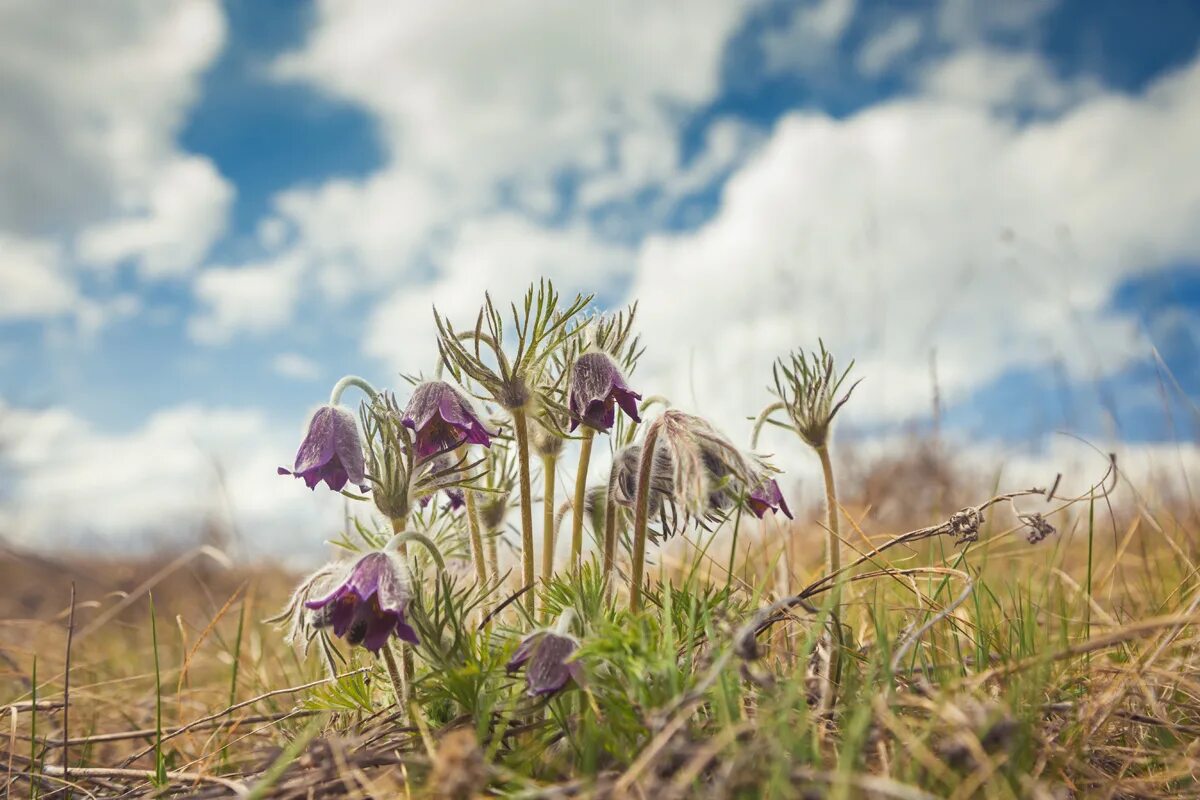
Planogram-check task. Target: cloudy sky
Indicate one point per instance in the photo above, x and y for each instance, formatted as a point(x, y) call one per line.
point(209, 212)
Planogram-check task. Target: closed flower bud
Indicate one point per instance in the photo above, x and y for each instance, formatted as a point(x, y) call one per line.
point(597, 388)
point(331, 451)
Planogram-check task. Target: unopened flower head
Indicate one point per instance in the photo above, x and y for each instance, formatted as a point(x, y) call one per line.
point(331, 451)
point(705, 465)
point(443, 419)
point(597, 388)
point(626, 463)
point(546, 443)
point(808, 385)
point(369, 604)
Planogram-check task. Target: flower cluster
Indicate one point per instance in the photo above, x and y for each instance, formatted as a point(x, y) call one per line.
point(502, 397)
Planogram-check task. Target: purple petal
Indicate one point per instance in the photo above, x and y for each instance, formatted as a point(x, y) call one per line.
point(547, 672)
point(343, 615)
point(380, 626)
point(331, 450)
point(405, 631)
point(596, 385)
point(768, 497)
point(457, 498)
point(524, 651)
point(628, 401)
point(443, 419)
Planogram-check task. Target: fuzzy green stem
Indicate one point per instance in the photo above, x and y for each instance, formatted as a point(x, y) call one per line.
point(833, 555)
point(833, 564)
point(737, 522)
point(399, 683)
point(610, 527)
point(762, 420)
point(641, 515)
point(400, 542)
point(345, 383)
point(402, 678)
point(654, 399)
point(476, 540)
point(563, 626)
point(493, 555)
point(585, 456)
point(549, 467)
point(528, 577)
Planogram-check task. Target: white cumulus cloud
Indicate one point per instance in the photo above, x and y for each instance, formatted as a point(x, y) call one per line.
point(922, 225)
point(252, 298)
point(182, 468)
point(93, 97)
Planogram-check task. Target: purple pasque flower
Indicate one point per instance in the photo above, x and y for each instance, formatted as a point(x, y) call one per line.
point(597, 387)
point(443, 419)
point(369, 604)
point(544, 655)
point(331, 451)
point(768, 497)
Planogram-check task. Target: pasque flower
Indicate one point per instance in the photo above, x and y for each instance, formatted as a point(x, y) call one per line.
point(443, 419)
point(597, 387)
point(370, 603)
point(768, 497)
point(546, 656)
point(331, 451)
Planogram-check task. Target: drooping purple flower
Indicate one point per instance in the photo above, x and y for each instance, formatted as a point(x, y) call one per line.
point(544, 655)
point(443, 419)
point(331, 451)
point(768, 497)
point(597, 387)
point(369, 605)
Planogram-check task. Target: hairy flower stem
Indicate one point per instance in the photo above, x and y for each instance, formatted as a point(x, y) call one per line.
point(833, 563)
point(345, 383)
point(528, 577)
point(401, 545)
point(641, 515)
point(833, 555)
point(762, 420)
point(610, 529)
point(585, 456)
point(493, 553)
point(400, 541)
point(737, 522)
point(406, 657)
point(481, 573)
point(549, 466)
point(399, 683)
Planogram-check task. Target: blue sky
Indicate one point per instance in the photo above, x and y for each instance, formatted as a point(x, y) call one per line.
point(216, 209)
